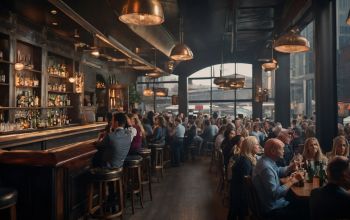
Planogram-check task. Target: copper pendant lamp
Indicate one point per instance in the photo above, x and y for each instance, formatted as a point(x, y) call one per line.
point(271, 64)
point(148, 92)
point(180, 51)
point(161, 92)
point(292, 42)
point(142, 12)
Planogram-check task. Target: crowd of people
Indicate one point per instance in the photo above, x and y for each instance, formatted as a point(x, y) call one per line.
point(258, 148)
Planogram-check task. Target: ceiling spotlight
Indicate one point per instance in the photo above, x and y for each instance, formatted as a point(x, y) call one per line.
point(53, 11)
point(71, 79)
point(54, 23)
point(95, 52)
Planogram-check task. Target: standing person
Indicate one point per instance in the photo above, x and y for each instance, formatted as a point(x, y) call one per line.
point(266, 180)
point(333, 200)
point(159, 131)
point(177, 144)
point(243, 167)
point(114, 147)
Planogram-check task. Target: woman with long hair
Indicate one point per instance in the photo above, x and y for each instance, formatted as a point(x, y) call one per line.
point(312, 153)
point(340, 148)
point(242, 167)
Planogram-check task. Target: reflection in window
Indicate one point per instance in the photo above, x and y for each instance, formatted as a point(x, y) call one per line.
point(202, 91)
point(163, 104)
point(302, 77)
point(343, 56)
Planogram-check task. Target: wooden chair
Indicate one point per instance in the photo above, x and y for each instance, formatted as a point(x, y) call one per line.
point(253, 199)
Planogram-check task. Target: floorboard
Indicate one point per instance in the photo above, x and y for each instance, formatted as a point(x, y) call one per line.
point(187, 192)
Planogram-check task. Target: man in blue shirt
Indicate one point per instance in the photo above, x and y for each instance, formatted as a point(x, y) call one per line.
point(266, 180)
point(177, 145)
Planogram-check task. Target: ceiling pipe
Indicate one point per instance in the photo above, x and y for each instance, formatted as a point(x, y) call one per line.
point(68, 11)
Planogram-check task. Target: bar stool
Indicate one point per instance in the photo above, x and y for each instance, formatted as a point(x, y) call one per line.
point(109, 182)
point(8, 200)
point(146, 169)
point(167, 155)
point(133, 164)
point(157, 160)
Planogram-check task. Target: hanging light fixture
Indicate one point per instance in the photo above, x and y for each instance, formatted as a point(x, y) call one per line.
point(181, 52)
point(148, 92)
point(155, 73)
point(142, 12)
point(236, 82)
point(271, 64)
point(94, 49)
point(161, 92)
point(348, 18)
point(292, 42)
point(221, 81)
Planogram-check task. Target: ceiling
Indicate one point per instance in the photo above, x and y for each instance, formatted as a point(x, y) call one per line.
point(211, 27)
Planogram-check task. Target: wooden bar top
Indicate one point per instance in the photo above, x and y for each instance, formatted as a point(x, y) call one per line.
point(49, 158)
point(12, 140)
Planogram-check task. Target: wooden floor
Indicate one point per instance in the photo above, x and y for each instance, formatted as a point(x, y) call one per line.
point(187, 192)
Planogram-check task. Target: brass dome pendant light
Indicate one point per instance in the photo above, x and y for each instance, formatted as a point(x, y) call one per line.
point(292, 42)
point(181, 52)
point(142, 12)
point(221, 81)
point(271, 64)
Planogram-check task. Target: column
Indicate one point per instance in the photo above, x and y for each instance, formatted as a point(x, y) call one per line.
point(183, 94)
point(257, 82)
point(282, 90)
point(326, 71)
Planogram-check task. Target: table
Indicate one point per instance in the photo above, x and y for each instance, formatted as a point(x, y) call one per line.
point(304, 191)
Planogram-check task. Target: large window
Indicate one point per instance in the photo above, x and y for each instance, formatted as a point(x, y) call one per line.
point(302, 76)
point(343, 56)
point(205, 96)
point(162, 104)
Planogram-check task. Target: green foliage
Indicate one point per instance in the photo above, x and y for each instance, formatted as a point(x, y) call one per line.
point(134, 96)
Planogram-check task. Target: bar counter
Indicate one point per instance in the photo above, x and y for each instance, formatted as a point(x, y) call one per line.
point(51, 138)
point(52, 184)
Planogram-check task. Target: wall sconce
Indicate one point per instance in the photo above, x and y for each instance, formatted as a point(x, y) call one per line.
point(19, 66)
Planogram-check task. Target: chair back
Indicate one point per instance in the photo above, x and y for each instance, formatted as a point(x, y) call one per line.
point(253, 199)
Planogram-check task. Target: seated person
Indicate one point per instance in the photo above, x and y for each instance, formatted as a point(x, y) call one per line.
point(340, 148)
point(266, 180)
point(312, 154)
point(333, 200)
point(114, 147)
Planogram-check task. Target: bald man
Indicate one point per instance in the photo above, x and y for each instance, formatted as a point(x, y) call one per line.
point(266, 180)
point(285, 137)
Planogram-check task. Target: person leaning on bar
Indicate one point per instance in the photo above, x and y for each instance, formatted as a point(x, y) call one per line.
point(333, 200)
point(113, 148)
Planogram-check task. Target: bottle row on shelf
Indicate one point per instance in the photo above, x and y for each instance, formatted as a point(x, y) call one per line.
point(56, 100)
point(27, 99)
point(23, 79)
point(58, 70)
point(58, 87)
point(33, 119)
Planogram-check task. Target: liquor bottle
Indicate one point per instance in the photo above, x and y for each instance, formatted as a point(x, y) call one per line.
point(35, 81)
point(2, 77)
point(36, 101)
point(67, 101)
